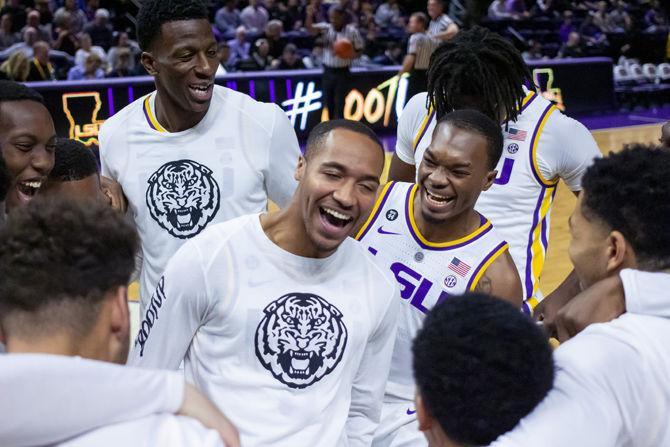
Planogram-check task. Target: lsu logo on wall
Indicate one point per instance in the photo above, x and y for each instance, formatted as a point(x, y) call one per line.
point(300, 339)
point(81, 111)
point(183, 197)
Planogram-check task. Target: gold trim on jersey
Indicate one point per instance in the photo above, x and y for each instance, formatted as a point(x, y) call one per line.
point(538, 253)
point(424, 124)
point(375, 210)
point(153, 122)
point(535, 143)
point(486, 265)
point(415, 228)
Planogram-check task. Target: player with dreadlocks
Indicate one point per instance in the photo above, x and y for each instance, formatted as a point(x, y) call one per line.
point(480, 70)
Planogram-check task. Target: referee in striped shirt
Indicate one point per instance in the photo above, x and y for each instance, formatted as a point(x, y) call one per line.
point(441, 27)
point(336, 75)
point(419, 49)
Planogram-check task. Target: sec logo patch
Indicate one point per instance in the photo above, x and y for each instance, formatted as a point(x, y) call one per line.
point(513, 148)
point(450, 281)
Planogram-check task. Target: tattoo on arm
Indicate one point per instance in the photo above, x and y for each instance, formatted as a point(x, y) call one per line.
point(485, 285)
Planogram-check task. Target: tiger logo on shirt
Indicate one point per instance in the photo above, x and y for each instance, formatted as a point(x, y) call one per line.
point(183, 197)
point(300, 339)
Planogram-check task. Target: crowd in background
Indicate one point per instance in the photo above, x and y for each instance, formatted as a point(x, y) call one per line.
point(93, 39)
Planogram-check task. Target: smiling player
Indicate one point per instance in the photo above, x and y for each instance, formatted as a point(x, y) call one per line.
point(282, 318)
point(436, 245)
point(192, 153)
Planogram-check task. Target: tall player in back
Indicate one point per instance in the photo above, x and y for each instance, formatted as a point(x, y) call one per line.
point(192, 153)
point(480, 70)
point(436, 245)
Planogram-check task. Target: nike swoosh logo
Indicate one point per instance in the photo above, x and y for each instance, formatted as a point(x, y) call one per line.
point(410, 412)
point(381, 230)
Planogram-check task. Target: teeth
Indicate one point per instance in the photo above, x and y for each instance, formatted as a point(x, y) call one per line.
point(336, 214)
point(35, 185)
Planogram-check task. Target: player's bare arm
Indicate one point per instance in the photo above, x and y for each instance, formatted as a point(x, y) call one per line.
point(401, 171)
point(501, 279)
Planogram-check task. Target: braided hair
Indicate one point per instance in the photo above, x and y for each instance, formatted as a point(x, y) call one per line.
point(478, 69)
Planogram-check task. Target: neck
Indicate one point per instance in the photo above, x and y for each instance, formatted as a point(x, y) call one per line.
point(172, 117)
point(450, 230)
point(57, 344)
point(286, 229)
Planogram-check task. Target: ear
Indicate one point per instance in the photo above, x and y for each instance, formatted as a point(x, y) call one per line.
point(490, 178)
point(618, 252)
point(422, 414)
point(149, 63)
point(300, 168)
point(120, 316)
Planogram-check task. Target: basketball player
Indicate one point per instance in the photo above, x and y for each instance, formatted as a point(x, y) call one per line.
point(480, 366)
point(27, 138)
point(611, 386)
point(75, 173)
point(479, 69)
point(281, 318)
point(436, 245)
point(192, 153)
point(65, 268)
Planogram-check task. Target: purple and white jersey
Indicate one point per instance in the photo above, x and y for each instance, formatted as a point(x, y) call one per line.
point(427, 272)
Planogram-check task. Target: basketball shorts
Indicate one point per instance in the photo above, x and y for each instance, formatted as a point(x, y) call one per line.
point(399, 426)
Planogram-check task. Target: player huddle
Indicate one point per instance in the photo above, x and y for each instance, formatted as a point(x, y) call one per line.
point(357, 314)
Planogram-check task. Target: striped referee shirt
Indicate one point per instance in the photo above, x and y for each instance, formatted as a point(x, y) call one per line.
point(439, 25)
point(331, 36)
point(421, 46)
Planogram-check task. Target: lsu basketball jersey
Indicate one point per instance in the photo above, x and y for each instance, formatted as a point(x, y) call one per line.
point(426, 272)
point(527, 196)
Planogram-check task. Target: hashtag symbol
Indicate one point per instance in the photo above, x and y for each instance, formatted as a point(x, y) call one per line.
point(302, 104)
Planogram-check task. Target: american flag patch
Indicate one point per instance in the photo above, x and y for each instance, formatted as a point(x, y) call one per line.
point(458, 266)
point(516, 134)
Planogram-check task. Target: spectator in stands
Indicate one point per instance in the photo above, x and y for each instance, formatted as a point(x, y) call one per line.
point(593, 35)
point(534, 51)
point(290, 60)
point(497, 11)
point(25, 46)
point(388, 15)
point(364, 15)
point(517, 9)
point(336, 74)
point(33, 21)
point(66, 40)
point(599, 17)
point(100, 30)
point(239, 47)
point(419, 49)
point(318, 9)
point(441, 27)
point(654, 19)
point(123, 64)
point(223, 52)
point(16, 68)
point(392, 55)
point(40, 67)
point(17, 11)
point(315, 59)
point(77, 16)
point(260, 57)
point(618, 19)
point(544, 8)
point(273, 33)
point(295, 15)
point(572, 48)
point(254, 17)
point(90, 9)
point(567, 26)
point(7, 36)
point(86, 48)
point(92, 69)
point(227, 19)
point(46, 14)
point(122, 43)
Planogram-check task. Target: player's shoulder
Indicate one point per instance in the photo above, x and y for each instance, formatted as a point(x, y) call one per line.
point(124, 116)
point(160, 429)
point(415, 111)
point(260, 115)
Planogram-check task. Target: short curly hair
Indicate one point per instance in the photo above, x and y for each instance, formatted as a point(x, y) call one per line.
point(15, 91)
point(154, 13)
point(58, 260)
point(480, 366)
point(630, 192)
point(73, 161)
